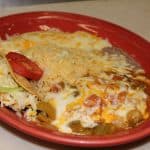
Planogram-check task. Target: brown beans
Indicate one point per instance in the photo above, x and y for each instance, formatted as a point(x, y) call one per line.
point(134, 117)
point(42, 117)
point(47, 108)
point(103, 129)
point(77, 128)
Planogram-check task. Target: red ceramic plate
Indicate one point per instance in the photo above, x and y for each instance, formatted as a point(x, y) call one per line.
point(134, 45)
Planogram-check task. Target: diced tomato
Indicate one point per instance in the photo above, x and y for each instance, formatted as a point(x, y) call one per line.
point(116, 78)
point(122, 96)
point(55, 88)
point(23, 66)
point(92, 100)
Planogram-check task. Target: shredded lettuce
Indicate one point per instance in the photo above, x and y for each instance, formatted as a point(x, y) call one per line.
point(10, 89)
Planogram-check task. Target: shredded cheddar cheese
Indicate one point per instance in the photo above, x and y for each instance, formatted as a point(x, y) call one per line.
point(83, 83)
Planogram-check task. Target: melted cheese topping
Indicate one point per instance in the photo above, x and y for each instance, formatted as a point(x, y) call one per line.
point(76, 40)
point(98, 87)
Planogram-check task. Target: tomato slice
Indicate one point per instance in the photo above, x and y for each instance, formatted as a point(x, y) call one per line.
point(23, 66)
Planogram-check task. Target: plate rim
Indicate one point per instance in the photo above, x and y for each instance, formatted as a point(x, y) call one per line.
point(99, 142)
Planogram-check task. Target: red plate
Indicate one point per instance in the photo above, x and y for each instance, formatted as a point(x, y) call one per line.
point(134, 45)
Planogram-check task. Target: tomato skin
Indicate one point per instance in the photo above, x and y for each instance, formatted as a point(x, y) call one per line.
point(23, 66)
point(92, 100)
